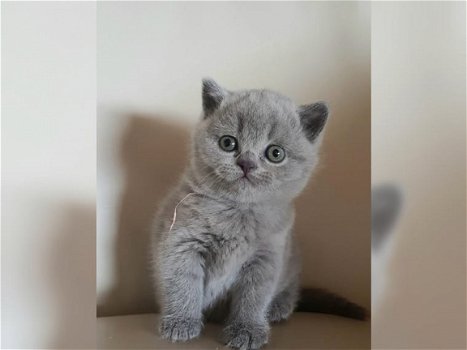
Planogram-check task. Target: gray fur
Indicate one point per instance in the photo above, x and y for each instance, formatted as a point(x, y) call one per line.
point(232, 239)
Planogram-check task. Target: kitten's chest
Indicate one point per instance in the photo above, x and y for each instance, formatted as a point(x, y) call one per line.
point(235, 232)
point(233, 236)
point(233, 240)
point(230, 221)
point(250, 222)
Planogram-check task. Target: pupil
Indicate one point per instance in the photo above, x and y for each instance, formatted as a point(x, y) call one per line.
point(276, 153)
point(227, 142)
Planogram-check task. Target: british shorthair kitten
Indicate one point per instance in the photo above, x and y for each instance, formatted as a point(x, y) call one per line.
point(223, 237)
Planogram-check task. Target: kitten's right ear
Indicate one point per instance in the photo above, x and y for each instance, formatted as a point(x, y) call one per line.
point(313, 117)
point(213, 94)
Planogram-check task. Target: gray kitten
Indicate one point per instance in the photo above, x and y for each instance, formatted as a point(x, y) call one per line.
point(223, 236)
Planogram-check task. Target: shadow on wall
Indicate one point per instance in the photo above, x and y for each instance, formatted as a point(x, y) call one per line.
point(71, 277)
point(153, 154)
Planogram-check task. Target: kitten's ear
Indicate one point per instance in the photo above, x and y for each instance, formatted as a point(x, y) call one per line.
point(313, 118)
point(386, 203)
point(213, 94)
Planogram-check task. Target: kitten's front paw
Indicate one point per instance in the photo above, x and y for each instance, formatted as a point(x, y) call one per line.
point(246, 336)
point(180, 329)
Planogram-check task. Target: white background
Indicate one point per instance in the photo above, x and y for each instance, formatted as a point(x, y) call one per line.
point(48, 175)
point(418, 141)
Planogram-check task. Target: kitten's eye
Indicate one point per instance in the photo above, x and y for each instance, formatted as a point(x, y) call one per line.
point(275, 154)
point(228, 143)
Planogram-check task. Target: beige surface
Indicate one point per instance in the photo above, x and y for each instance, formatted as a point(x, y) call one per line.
point(302, 331)
point(151, 58)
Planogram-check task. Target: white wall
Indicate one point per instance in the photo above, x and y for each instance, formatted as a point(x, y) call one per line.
point(48, 175)
point(419, 142)
point(151, 58)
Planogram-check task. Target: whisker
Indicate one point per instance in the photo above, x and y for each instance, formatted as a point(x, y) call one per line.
point(174, 217)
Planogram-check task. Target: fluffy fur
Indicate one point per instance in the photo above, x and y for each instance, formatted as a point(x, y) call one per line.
point(230, 247)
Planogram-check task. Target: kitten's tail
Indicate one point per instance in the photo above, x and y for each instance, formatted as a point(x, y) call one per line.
point(322, 301)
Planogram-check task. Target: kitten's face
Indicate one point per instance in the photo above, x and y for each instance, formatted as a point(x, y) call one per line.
point(252, 146)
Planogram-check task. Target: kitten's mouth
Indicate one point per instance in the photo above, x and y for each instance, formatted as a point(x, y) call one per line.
point(246, 178)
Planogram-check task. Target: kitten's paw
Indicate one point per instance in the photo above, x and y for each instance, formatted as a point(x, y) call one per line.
point(246, 336)
point(180, 329)
point(279, 311)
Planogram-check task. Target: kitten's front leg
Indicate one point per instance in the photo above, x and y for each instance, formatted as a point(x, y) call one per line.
point(248, 327)
point(181, 279)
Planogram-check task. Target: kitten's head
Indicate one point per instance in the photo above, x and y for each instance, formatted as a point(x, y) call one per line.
point(255, 145)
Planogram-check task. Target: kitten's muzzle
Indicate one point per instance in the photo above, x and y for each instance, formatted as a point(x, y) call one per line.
point(246, 164)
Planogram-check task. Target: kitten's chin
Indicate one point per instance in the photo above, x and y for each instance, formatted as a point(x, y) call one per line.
point(240, 189)
point(235, 187)
point(249, 190)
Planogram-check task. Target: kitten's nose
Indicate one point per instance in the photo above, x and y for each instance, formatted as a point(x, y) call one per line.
point(246, 164)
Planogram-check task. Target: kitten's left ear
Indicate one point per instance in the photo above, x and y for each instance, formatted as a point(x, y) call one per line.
point(313, 118)
point(213, 94)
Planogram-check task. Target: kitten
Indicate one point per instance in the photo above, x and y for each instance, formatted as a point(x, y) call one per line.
point(223, 236)
point(386, 203)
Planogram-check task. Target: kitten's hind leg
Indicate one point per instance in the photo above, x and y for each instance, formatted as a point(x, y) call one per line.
point(284, 303)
